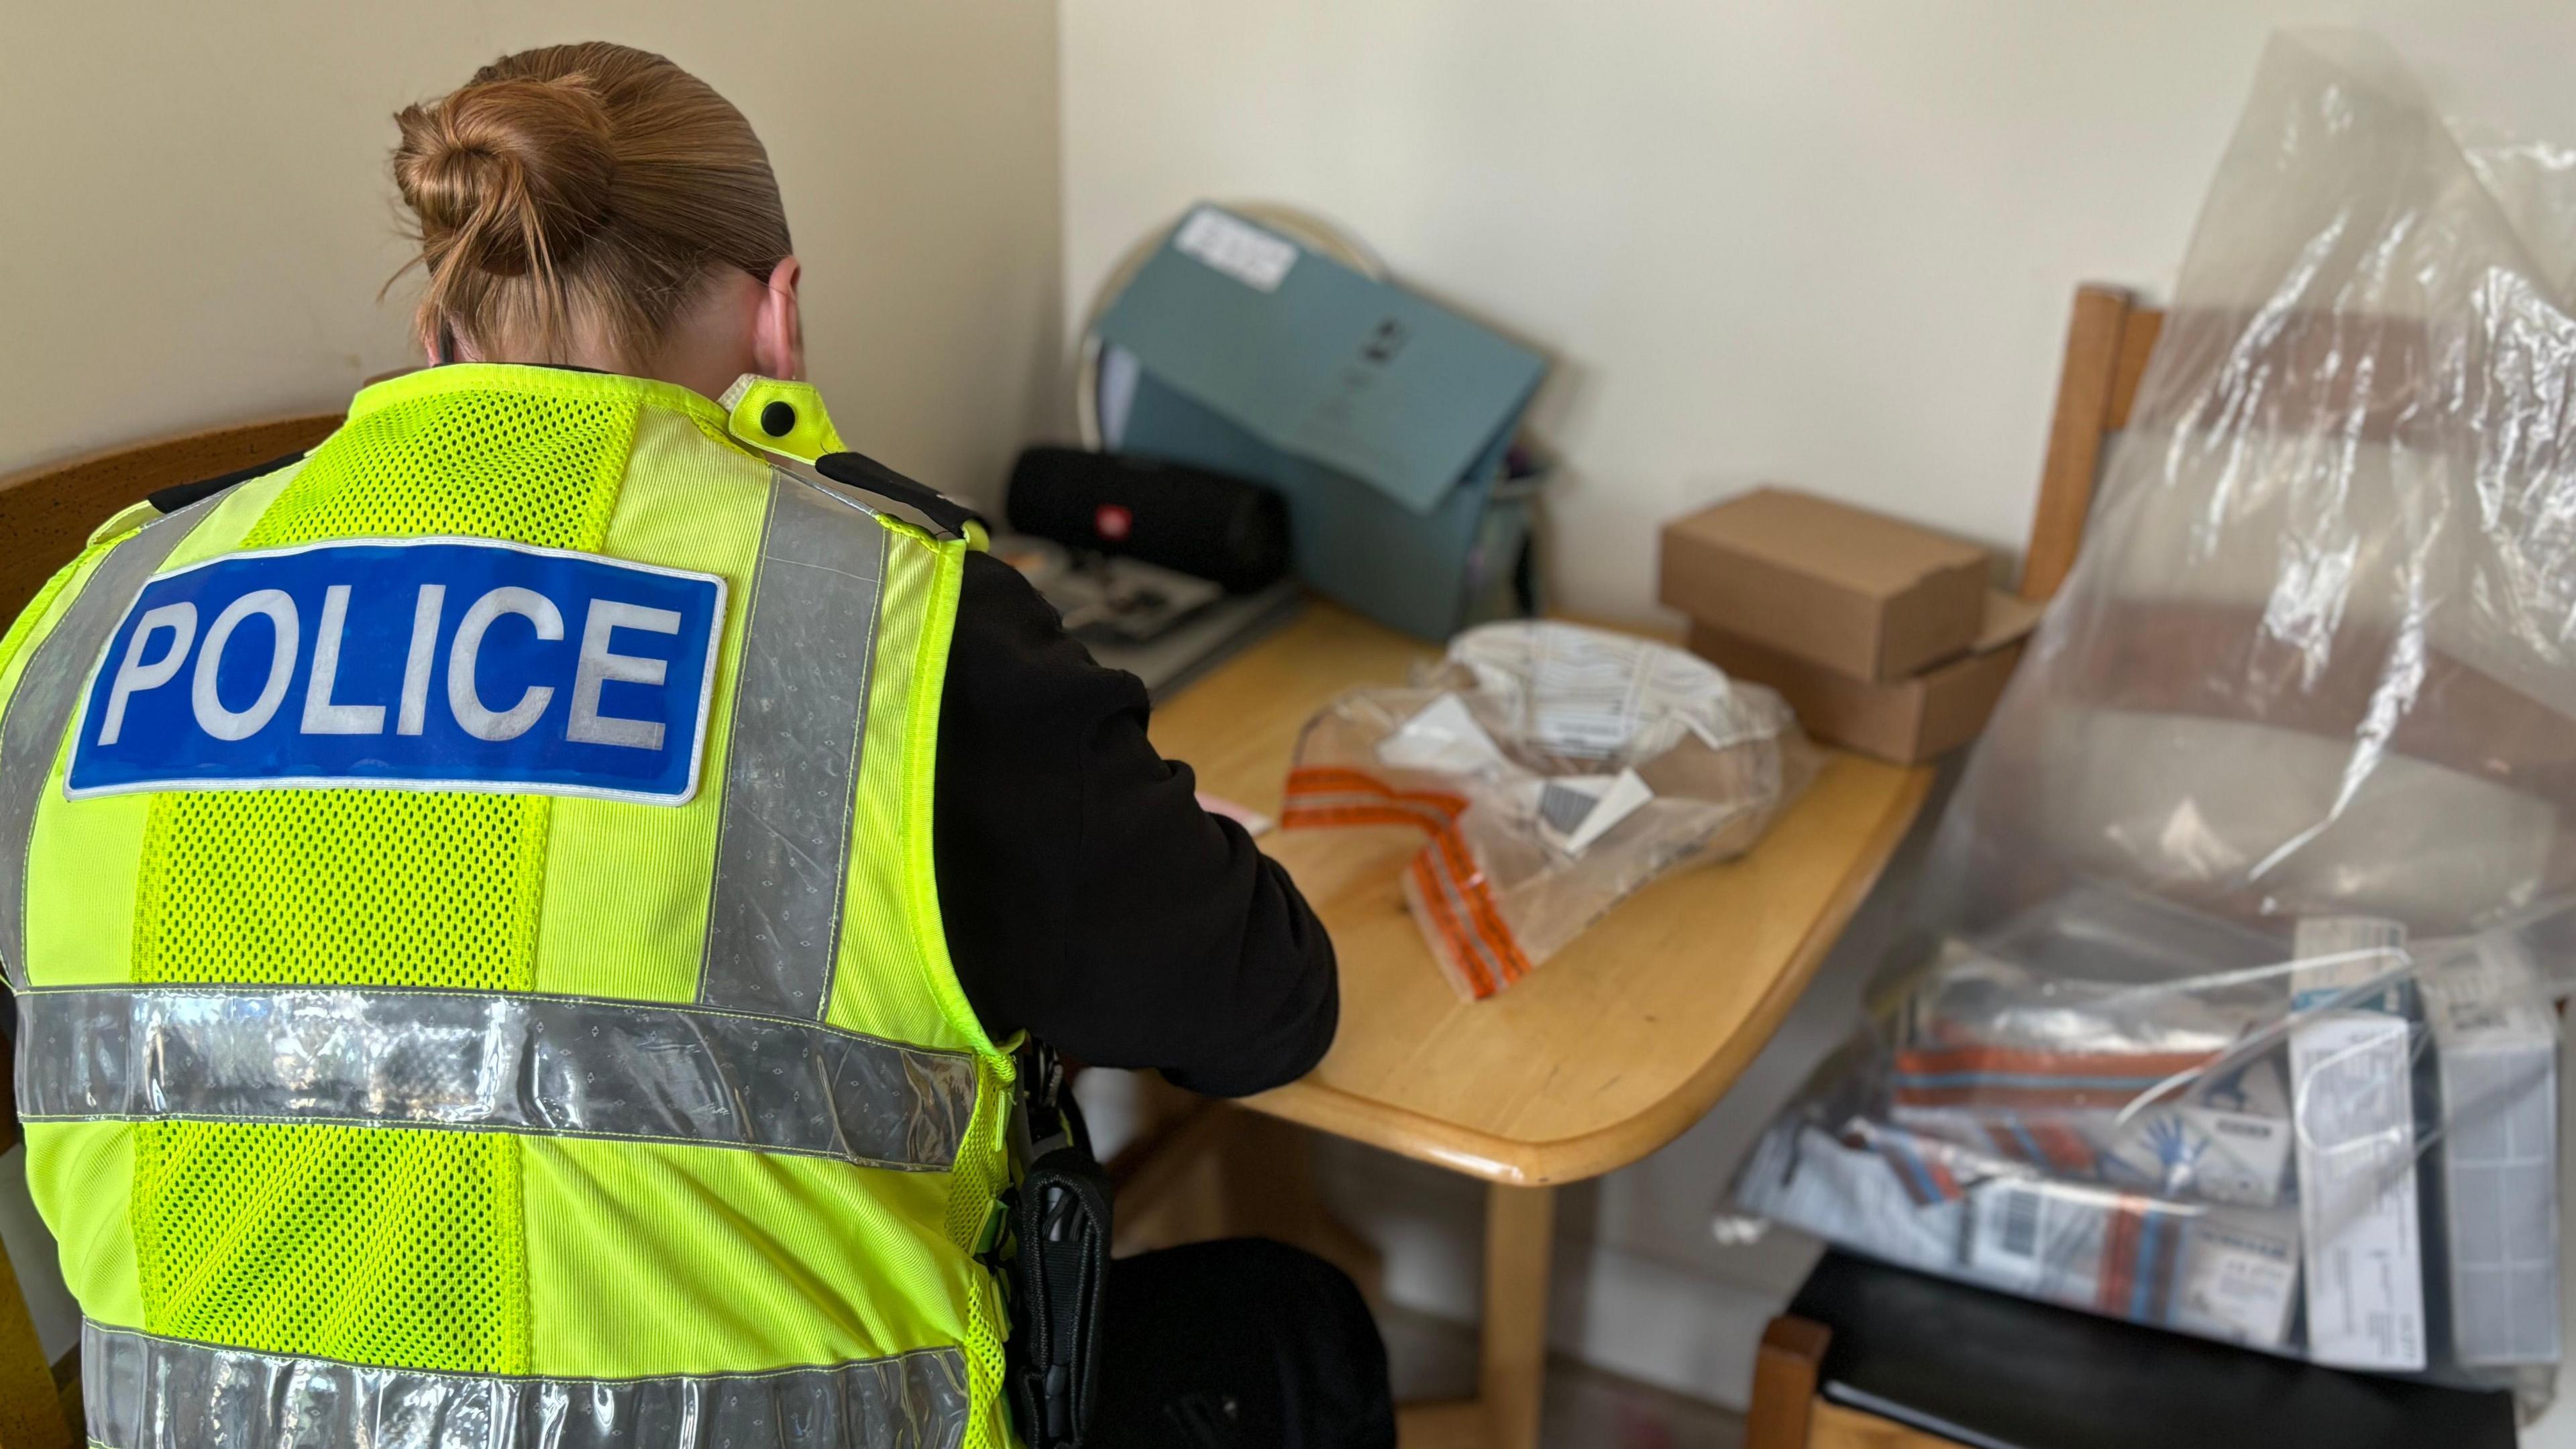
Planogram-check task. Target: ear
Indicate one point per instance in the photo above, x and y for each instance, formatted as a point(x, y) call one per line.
point(440, 345)
point(778, 335)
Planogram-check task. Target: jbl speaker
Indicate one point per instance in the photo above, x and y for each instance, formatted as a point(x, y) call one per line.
point(1227, 530)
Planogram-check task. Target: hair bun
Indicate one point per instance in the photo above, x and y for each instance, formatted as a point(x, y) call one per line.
point(507, 176)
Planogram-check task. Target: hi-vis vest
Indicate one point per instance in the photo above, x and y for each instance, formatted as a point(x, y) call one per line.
point(479, 973)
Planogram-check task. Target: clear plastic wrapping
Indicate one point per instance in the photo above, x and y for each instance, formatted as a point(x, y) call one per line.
point(1555, 770)
point(2231, 1009)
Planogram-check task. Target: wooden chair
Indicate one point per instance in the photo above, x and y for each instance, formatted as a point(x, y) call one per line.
point(40, 1403)
point(1875, 1357)
point(47, 514)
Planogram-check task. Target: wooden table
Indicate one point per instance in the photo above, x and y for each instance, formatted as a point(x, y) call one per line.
point(1604, 1054)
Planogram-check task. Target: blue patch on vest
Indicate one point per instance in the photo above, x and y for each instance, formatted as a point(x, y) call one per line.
point(424, 664)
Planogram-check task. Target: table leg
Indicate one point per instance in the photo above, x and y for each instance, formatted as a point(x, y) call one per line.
point(1512, 1359)
point(1519, 1226)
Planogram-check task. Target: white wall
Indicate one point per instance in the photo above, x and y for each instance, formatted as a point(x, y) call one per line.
point(1828, 244)
point(195, 214)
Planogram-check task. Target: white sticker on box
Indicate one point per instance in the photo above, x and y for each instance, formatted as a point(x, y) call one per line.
point(1242, 251)
point(2236, 1283)
point(2245, 1156)
point(2006, 1233)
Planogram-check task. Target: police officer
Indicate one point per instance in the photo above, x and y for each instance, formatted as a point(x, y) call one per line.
point(519, 916)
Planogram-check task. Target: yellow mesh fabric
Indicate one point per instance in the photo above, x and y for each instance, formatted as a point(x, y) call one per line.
point(378, 1245)
point(972, 1186)
point(340, 887)
point(528, 467)
point(383, 1245)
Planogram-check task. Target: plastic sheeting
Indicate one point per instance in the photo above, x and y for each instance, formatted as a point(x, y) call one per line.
point(2230, 1006)
point(1556, 770)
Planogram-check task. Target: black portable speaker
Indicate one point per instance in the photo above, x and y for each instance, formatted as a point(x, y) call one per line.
point(1227, 530)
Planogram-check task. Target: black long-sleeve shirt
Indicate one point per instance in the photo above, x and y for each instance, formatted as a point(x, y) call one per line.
point(1087, 896)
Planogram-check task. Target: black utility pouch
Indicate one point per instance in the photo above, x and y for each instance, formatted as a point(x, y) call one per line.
point(1062, 1223)
point(1059, 1224)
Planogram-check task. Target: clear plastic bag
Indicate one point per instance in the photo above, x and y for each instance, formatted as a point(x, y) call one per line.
point(1556, 770)
point(2230, 1009)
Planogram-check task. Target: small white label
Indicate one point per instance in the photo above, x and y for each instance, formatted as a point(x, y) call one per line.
point(2236, 1283)
point(2011, 1223)
point(1589, 694)
point(1576, 810)
point(1444, 737)
point(2239, 1158)
point(1246, 253)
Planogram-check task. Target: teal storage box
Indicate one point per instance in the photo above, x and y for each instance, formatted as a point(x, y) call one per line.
point(1385, 420)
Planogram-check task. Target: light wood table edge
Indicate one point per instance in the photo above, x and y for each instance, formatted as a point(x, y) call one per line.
point(1534, 1164)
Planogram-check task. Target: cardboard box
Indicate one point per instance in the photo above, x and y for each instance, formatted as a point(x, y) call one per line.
point(1855, 591)
point(1905, 722)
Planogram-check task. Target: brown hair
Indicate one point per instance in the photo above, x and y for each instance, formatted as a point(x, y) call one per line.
point(579, 194)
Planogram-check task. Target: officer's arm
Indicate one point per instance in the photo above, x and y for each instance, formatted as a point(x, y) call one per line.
point(1087, 896)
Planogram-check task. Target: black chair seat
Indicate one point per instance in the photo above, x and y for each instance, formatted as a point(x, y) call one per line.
point(1991, 1370)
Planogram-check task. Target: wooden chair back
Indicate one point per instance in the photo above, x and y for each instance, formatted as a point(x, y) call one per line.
point(36, 1411)
point(40, 1406)
point(48, 512)
point(2108, 338)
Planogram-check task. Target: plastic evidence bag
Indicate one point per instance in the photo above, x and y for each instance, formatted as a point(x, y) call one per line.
point(1555, 770)
point(2229, 1003)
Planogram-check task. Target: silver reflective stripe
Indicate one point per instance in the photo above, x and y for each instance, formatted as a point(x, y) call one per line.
point(148, 1392)
point(792, 767)
point(556, 1066)
point(49, 690)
